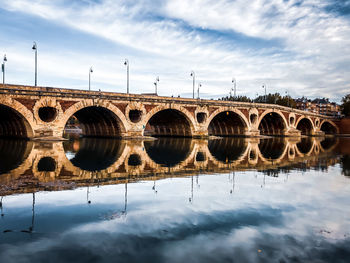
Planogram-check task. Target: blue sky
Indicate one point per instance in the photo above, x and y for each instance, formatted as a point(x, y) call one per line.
point(295, 46)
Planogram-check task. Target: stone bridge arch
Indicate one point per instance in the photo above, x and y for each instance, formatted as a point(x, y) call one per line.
point(173, 120)
point(329, 127)
point(98, 118)
point(227, 122)
point(15, 119)
point(272, 122)
point(305, 125)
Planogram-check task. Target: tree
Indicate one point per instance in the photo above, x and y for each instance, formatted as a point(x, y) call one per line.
point(345, 106)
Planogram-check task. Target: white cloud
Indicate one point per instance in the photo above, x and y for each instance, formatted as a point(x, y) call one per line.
point(157, 38)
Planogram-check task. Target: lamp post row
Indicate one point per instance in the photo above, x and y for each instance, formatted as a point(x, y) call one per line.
point(126, 63)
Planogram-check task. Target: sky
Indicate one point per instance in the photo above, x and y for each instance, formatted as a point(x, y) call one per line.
point(296, 47)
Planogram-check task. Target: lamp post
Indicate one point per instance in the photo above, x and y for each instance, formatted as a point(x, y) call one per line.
point(90, 71)
point(35, 48)
point(126, 63)
point(156, 84)
point(234, 86)
point(193, 75)
point(3, 69)
point(264, 87)
point(199, 85)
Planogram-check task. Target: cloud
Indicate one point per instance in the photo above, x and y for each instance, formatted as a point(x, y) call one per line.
point(302, 46)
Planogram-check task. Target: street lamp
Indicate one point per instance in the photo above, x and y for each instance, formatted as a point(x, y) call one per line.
point(156, 84)
point(199, 85)
point(126, 63)
point(264, 87)
point(193, 75)
point(90, 71)
point(3, 69)
point(234, 86)
point(35, 48)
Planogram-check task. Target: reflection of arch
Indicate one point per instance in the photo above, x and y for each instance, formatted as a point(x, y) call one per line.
point(328, 127)
point(227, 122)
point(13, 153)
point(227, 150)
point(305, 146)
point(94, 154)
point(305, 125)
point(272, 149)
point(13, 122)
point(272, 123)
point(101, 119)
point(168, 152)
point(162, 121)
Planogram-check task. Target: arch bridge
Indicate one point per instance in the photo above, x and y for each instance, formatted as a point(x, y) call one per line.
point(41, 112)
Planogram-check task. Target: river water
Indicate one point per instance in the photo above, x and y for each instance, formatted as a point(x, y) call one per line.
point(175, 200)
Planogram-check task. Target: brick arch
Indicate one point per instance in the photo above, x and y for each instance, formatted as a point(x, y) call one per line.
point(23, 123)
point(305, 118)
point(279, 113)
point(178, 110)
point(331, 123)
point(236, 113)
point(101, 105)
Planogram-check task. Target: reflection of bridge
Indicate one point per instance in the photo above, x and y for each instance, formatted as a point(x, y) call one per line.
point(43, 112)
point(51, 166)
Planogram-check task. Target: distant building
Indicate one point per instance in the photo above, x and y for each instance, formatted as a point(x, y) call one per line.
point(320, 106)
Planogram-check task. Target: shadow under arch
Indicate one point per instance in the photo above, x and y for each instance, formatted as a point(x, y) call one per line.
point(168, 123)
point(305, 126)
point(93, 154)
point(168, 152)
point(227, 150)
point(98, 121)
point(272, 149)
point(227, 123)
point(272, 123)
point(13, 124)
point(328, 127)
point(13, 153)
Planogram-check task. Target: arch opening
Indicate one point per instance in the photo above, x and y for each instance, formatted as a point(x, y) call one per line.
point(305, 126)
point(94, 121)
point(272, 124)
point(227, 123)
point(201, 117)
point(272, 149)
point(47, 114)
point(227, 150)
point(169, 123)
point(253, 118)
point(328, 128)
point(13, 124)
point(135, 115)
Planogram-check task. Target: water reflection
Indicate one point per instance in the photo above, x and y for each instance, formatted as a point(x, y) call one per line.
point(232, 200)
point(83, 161)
